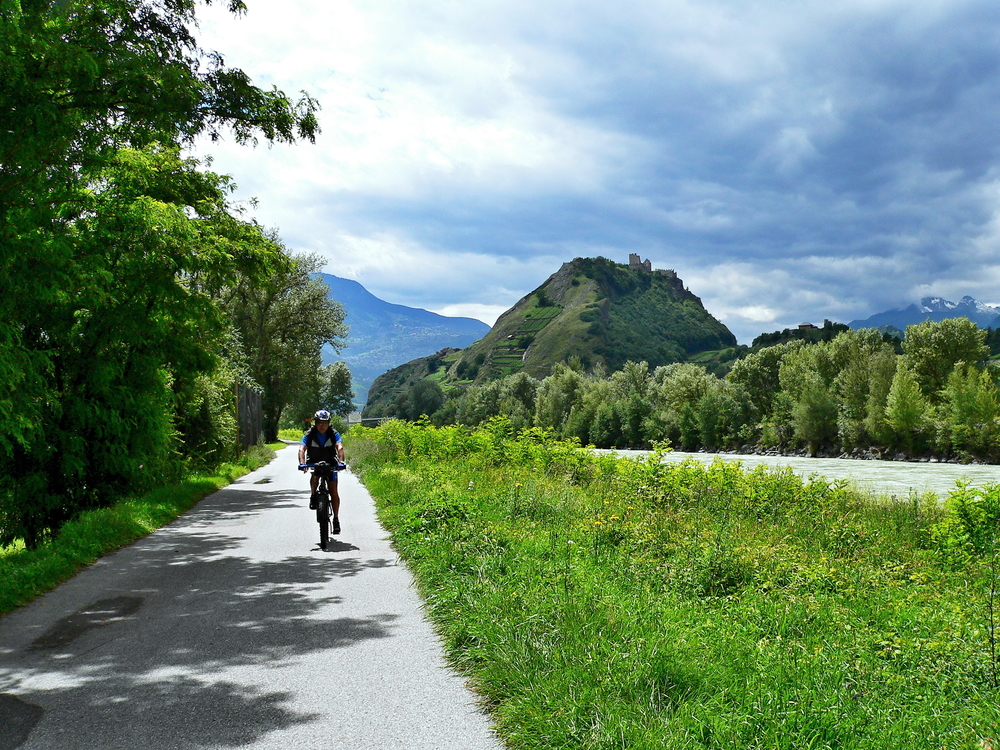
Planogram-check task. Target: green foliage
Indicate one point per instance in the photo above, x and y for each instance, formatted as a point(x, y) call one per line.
point(905, 409)
point(426, 398)
point(972, 527)
point(114, 250)
point(933, 348)
point(757, 375)
point(26, 573)
point(130, 323)
point(850, 392)
point(205, 418)
point(328, 387)
point(864, 362)
point(557, 395)
point(600, 602)
point(679, 326)
point(971, 409)
point(284, 322)
point(828, 332)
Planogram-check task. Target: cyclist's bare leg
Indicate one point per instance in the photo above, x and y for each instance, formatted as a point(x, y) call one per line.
point(335, 499)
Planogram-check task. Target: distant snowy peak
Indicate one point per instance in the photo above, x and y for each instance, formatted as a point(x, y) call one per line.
point(934, 308)
point(938, 304)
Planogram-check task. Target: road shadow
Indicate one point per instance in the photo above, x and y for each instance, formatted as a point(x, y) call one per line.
point(171, 662)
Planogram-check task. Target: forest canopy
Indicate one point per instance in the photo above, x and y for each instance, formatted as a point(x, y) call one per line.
point(846, 392)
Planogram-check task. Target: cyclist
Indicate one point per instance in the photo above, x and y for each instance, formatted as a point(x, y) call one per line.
point(323, 444)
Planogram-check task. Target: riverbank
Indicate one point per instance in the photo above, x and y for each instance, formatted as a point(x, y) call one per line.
point(855, 454)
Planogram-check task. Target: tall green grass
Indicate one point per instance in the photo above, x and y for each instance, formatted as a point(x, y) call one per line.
point(24, 574)
point(597, 602)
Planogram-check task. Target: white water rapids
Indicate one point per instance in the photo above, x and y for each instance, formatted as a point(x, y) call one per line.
point(894, 478)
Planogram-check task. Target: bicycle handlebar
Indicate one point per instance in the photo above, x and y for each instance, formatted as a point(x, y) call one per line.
point(336, 467)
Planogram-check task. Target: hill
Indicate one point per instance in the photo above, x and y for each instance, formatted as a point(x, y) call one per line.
point(383, 335)
point(592, 308)
point(936, 309)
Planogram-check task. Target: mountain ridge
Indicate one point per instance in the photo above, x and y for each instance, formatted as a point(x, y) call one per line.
point(936, 309)
point(383, 335)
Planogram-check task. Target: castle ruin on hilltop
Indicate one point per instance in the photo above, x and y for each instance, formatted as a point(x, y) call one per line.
point(636, 262)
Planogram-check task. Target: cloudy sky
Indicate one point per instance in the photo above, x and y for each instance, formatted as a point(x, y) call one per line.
point(792, 161)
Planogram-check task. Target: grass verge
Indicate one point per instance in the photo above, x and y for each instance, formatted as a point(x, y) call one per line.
point(598, 602)
point(24, 574)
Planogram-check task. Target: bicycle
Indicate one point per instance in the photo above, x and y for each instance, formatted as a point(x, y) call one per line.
point(324, 507)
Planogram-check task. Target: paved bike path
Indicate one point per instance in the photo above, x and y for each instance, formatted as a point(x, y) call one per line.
point(229, 628)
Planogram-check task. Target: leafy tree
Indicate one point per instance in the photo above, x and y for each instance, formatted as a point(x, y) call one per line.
point(972, 405)
point(882, 371)
point(689, 427)
point(807, 375)
point(861, 358)
point(724, 417)
point(631, 386)
point(557, 395)
point(814, 413)
point(110, 244)
point(132, 325)
point(426, 398)
point(933, 348)
point(906, 408)
point(336, 391)
point(449, 411)
point(757, 375)
point(675, 385)
point(517, 399)
point(605, 426)
point(284, 323)
point(329, 387)
point(596, 390)
point(632, 380)
point(671, 389)
point(83, 79)
point(400, 405)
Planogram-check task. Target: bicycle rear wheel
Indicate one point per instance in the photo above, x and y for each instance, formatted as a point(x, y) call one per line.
point(323, 513)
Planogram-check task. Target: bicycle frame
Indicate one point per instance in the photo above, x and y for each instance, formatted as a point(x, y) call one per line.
point(324, 506)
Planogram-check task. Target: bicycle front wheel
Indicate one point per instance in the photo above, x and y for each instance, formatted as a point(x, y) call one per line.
point(323, 513)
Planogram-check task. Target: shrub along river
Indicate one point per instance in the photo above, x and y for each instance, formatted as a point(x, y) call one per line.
point(898, 478)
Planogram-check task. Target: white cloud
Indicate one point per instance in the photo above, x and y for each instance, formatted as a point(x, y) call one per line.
point(757, 313)
point(486, 313)
point(792, 163)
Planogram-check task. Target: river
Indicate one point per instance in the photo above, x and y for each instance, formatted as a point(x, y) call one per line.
point(896, 478)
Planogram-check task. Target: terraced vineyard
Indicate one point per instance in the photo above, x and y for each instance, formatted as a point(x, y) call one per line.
point(508, 358)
